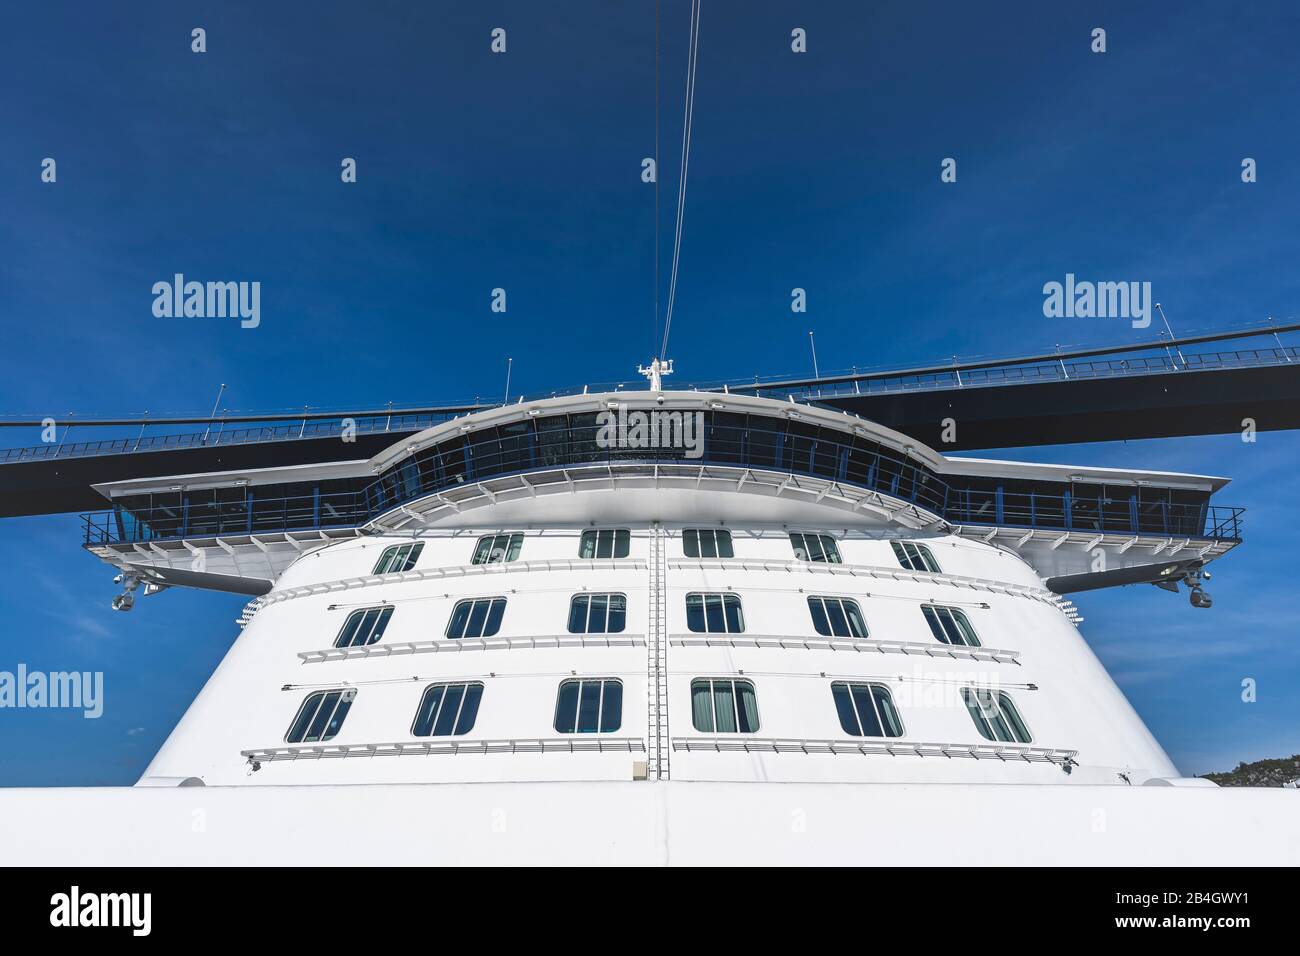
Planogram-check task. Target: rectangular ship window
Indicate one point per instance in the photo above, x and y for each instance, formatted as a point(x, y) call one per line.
point(398, 558)
point(914, 557)
point(605, 543)
point(364, 626)
point(714, 614)
point(497, 548)
point(589, 706)
point(815, 547)
point(950, 626)
point(724, 706)
point(707, 543)
point(866, 710)
point(477, 617)
point(321, 716)
point(597, 614)
point(447, 710)
point(837, 617)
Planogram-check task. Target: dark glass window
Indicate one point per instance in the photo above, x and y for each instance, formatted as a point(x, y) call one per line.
point(364, 626)
point(950, 626)
point(447, 710)
point(597, 614)
point(589, 706)
point(724, 706)
point(605, 543)
point(995, 716)
point(714, 614)
point(815, 547)
point(707, 543)
point(479, 617)
point(320, 716)
point(914, 557)
point(866, 710)
point(837, 617)
point(497, 548)
point(398, 558)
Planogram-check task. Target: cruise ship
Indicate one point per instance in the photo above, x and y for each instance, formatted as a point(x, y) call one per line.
point(650, 626)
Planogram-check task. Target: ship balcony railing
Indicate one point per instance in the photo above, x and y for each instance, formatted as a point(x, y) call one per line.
point(1104, 515)
point(223, 519)
point(252, 514)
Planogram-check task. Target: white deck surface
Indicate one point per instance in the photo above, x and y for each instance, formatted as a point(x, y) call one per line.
point(639, 823)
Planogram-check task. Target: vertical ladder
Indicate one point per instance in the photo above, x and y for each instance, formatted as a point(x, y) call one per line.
point(658, 745)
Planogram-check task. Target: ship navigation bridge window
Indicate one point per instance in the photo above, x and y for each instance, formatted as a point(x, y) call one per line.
point(320, 716)
point(995, 716)
point(915, 557)
point(398, 558)
point(364, 626)
point(815, 547)
point(477, 617)
point(597, 614)
point(866, 710)
point(497, 548)
point(714, 614)
point(707, 543)
point(950, 625)
point(837, 617)
point(589, 706)
point(724, 706)
point(605, 543)
point(447, 710)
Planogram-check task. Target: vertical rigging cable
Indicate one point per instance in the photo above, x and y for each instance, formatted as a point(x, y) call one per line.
point(654, 325)
point(687, 120)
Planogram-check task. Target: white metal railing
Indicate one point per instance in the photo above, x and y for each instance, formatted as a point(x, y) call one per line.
point(845, 644)
point(447, 645)
point(451, 747)
point(885, 746)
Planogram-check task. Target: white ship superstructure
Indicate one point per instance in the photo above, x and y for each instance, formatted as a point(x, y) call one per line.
point(787, 598)
point(642, 626)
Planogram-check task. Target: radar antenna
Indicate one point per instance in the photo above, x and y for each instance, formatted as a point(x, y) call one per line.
point(655, 372)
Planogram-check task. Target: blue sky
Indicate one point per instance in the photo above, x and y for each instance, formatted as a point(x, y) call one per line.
point(522, 171)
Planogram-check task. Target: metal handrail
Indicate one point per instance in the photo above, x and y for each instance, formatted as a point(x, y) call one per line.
point(1073, 365)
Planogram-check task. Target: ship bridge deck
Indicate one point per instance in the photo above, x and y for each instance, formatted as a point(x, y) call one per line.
point(961, 492)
